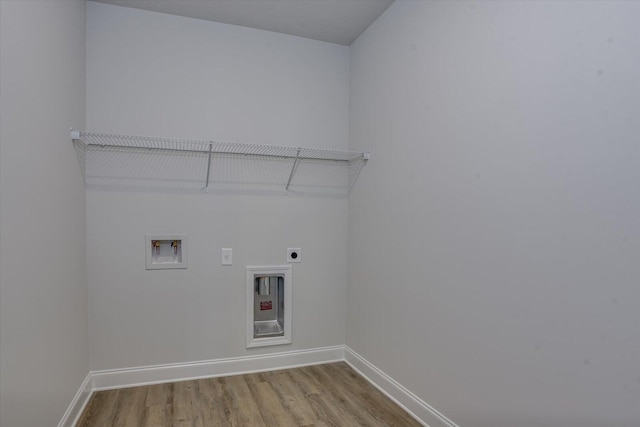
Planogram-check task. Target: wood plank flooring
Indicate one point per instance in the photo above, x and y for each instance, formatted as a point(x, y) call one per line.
point(321, 395)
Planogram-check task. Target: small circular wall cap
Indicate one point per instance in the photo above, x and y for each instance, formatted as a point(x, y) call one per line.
point(294, 255)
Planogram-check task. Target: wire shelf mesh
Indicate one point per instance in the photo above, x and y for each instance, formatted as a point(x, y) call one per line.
point(142, 162)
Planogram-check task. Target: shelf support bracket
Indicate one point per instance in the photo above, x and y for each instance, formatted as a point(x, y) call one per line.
point(206, 184)
point(293, 169)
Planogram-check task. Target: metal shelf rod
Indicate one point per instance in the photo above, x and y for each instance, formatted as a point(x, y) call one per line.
point(128, 147)
point(320, 154)
point(236, 153)
point(103, 159)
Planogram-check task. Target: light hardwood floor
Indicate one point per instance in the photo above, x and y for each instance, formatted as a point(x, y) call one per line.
point(322, 395)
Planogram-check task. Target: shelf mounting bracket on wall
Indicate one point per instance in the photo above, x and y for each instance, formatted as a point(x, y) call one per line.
point(293, 169)
point(206, 185)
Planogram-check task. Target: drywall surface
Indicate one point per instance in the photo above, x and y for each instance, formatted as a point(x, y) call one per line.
point(155, 74)
point(494, 236)
point(43, 322)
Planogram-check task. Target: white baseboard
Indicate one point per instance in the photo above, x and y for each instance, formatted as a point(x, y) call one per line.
point(131, 377)
point(119, 378)
point(416, 407)
point(70, 417)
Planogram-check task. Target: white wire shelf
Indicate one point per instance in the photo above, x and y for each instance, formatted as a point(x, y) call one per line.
point(143, 162)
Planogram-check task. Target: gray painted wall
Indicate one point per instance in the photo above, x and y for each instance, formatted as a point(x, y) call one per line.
point(172, 76)
point(494, 236)
point(43, 299)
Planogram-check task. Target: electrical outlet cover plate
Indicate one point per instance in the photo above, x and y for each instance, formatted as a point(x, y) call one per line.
point(294, 255)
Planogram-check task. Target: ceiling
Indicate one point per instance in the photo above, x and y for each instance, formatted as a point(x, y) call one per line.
point(333, 21)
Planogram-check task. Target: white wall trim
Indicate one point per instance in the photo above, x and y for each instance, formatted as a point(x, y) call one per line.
point(80, 400)
point(416, 407)
point(118, 378)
